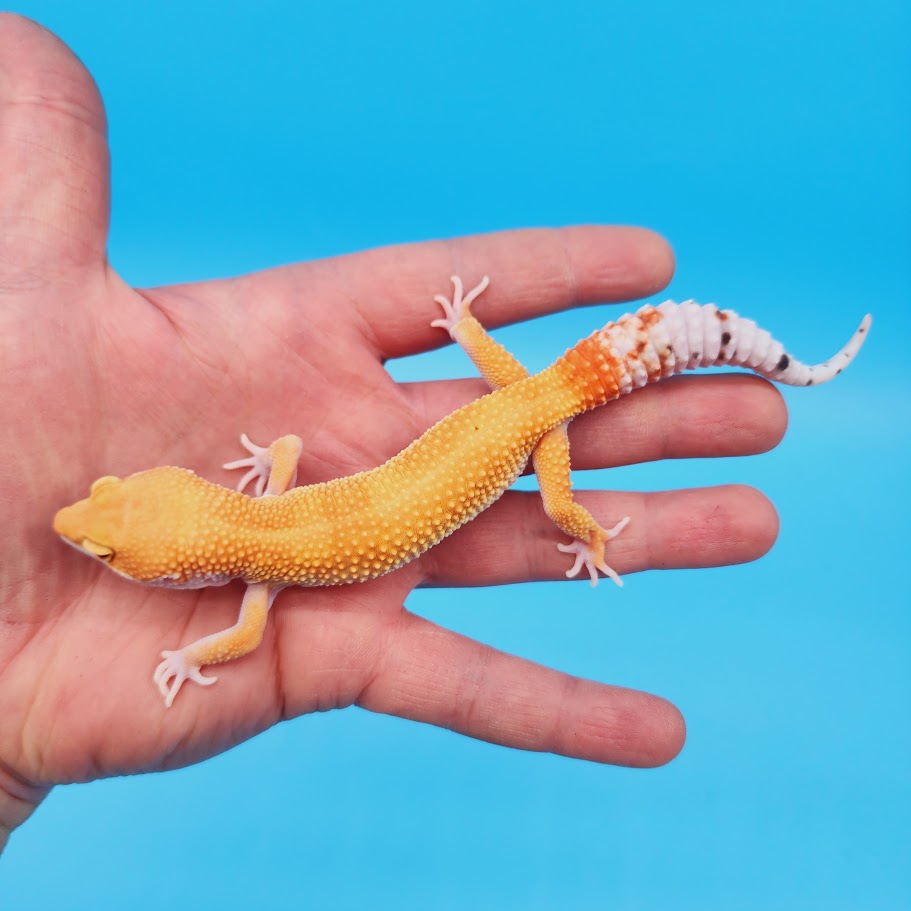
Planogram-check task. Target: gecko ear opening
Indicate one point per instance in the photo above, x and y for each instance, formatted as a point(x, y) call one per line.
point(97, 550)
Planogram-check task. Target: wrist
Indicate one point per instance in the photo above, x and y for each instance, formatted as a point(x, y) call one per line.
point(18, 800)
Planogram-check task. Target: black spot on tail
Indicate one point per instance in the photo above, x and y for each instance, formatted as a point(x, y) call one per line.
point(725, 338)
point(784, 363)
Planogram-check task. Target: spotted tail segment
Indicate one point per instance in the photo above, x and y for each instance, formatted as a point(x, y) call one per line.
point(661, 341)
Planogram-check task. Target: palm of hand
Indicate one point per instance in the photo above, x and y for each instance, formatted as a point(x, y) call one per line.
point(102, 379)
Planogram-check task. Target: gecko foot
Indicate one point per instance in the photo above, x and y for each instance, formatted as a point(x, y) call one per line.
point(591, 556)
point(457, 308)
point(259, 463)
point(274, 468)
point(175, 666)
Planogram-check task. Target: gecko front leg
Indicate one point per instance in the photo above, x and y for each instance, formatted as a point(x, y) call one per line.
point(240, 639)
point(274, 470)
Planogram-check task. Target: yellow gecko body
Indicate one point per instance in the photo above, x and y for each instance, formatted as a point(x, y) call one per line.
point(167, 526)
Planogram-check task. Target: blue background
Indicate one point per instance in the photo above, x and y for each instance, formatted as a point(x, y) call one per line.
point(770, 143)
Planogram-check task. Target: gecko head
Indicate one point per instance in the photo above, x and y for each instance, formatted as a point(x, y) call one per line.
point(128, 523)
point(92, 525)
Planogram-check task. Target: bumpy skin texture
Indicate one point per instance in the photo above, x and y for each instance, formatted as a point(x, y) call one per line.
point(166, 526)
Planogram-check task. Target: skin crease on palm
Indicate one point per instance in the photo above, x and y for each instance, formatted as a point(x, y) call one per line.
point(100, 378)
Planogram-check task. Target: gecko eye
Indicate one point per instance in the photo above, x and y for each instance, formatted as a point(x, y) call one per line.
point(98, 550)
point(102, 482)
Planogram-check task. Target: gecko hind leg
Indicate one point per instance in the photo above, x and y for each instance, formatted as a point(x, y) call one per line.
point(551, 456)
point(498, 367)
point(552, 466)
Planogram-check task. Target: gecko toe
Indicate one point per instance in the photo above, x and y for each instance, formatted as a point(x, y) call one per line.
point(175, 670)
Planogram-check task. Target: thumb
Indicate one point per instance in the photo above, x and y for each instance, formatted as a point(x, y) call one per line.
point(54, 167)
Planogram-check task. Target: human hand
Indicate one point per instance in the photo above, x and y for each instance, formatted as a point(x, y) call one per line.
point(99, 378)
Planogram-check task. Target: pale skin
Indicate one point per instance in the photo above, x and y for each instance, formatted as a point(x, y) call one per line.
point(102, 378)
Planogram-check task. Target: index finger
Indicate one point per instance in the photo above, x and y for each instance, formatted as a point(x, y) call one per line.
point(533, 272)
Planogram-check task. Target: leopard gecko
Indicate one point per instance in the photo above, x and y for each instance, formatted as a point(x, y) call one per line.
point(168, 527)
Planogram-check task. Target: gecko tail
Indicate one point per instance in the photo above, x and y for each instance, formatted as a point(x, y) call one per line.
point(671, 338)
point(657, 342)
point(726, 338)
point(798, 374)
point(803, 375)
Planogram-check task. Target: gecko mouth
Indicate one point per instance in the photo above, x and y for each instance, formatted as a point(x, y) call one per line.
point(69, 524)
